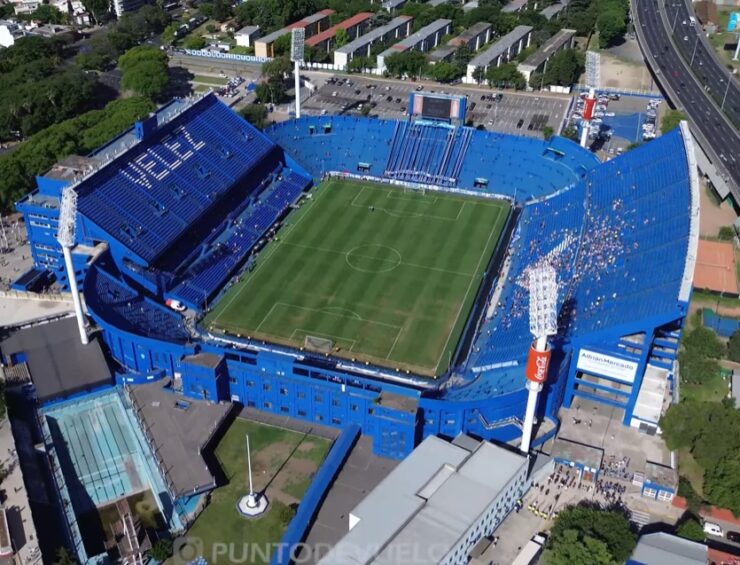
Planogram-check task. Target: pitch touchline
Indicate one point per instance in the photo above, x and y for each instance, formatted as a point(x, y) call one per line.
point(470, 284)
point(274, 246)
point(438, 194)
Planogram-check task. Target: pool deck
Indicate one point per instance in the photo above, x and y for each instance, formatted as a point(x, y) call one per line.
point(179, 434)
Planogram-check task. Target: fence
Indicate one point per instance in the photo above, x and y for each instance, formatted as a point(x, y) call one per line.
point(309, 506)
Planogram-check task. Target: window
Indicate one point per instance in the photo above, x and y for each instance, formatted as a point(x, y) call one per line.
point(318, 398)
point(283, 391)
point(302, 413)
point(319, 418)
point(335, 402)
point(353, 407)
point(336, 421)
point(301, 394)
point(267, 405)
point(299, 371)
point(251, 403)
point(266, 386)
point(232, 380)
point(250, 384)
point(284, 409)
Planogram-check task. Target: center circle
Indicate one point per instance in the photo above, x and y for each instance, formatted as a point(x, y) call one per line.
point(373, 258)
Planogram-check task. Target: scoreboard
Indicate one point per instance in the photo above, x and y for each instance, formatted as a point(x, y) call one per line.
point(437, 106)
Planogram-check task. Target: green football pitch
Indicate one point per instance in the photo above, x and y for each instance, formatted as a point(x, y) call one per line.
point(376, 273)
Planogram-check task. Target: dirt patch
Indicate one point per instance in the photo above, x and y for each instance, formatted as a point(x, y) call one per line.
point(714, 216)
point(621, 73)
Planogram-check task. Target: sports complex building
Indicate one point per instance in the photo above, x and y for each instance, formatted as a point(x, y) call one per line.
point(345, 270)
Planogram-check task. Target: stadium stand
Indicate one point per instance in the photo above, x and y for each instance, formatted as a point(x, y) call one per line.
point(518, 167)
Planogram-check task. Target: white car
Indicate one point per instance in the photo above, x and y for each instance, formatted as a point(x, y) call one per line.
point(712, 529)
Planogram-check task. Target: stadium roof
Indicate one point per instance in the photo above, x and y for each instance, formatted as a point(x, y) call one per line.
point(58, 362)
point(332, 31)
point(415, 38)
point(436, 493)
point(666, 549)
point(372, 35)
point(715, 267)
point(551, 46)
point(486, 57)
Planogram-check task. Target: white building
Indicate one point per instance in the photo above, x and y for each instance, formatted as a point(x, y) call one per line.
point(245, 36)
point(435, 506)
point(9, 32)
point(424, 40)
point(501, 52)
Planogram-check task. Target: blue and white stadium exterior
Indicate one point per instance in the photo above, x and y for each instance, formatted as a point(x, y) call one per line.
point(175, 207)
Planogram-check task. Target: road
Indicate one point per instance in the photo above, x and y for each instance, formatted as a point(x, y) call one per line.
point(673, 73)
point(708, 69)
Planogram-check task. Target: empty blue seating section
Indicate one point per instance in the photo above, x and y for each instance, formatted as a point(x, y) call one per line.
point(427, 153)
point(618, 241)
point(117, 304)
point(153, 193)
point(225, 252)
point(519, 167)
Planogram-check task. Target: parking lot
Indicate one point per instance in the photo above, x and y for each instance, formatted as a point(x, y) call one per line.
point(514, 113)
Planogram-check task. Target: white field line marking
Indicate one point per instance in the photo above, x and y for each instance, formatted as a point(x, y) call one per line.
point(320, 334)
point(470, 284)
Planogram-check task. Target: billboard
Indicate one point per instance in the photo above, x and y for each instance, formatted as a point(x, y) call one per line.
point(733, 24)
point(613, 367)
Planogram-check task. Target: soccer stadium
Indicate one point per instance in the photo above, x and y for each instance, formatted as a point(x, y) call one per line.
point(370, 272)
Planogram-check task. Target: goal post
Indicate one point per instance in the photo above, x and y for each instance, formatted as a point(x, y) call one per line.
point(316, 343)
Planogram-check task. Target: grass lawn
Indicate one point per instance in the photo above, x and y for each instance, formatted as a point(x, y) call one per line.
point(713, 300)
point(689, 468)
point(214, 81)
point(712, 391)
point(283, 463)
point(389, 276)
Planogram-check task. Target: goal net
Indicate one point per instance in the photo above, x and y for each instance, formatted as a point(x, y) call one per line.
point(316, 343)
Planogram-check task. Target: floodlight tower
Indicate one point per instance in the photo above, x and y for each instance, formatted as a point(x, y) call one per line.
point(543, 295)
point(297, 46)
point(588, 114)
point(66, 238)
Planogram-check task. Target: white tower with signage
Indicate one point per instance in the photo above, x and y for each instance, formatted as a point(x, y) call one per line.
point(297, 47)
point(543, 296)
point(66, 238)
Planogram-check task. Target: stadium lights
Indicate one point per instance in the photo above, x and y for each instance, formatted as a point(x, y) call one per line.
point(543, 297)
point(66, 238)
point(297, 48)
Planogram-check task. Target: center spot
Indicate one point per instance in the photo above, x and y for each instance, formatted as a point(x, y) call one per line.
point(373, 258)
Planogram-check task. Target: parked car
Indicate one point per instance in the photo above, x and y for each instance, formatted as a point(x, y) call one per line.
point(712, 529)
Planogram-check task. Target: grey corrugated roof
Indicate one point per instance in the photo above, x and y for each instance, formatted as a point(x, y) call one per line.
point(664, 549)
point(435, 494)
point(514, 6)
point(372, 35)
point(410, 41)
point(494, 51)
point(472, 32)
point(551, 45)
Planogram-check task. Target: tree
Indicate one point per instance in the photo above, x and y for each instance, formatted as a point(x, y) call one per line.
point(161, 550)
point(194, 42)
point(726, 233)
point(446, 72)
point(92, 61)
point(64, 557)
point(98, 9)
point(145, 71)
point(48, 14)
point(505, 76)
point(690, 528)
point(563, 68)
point(682, 424)
point(670, 120)
point(611, 22)
point(168, 35)
point(722, 482)
point(703, 342)
point(570, 132)
point(341, 37)
point(733, 347)
point(547, 132)
point(576, 549)
point(255, 114)
point(610, 527)
point(357, 64)
point(479, 74)
point(411, 63)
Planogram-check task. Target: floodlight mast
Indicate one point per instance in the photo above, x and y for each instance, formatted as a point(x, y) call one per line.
point(66, 238)
point(543, 296)
point(297, 47)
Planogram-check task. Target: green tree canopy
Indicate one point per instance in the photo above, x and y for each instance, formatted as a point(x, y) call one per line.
point(722, 482)
point(505, 76)
point(48, 14)
point(145, 71)
point(563, 68)
point(670, 120)
point(411, 63)
point(573, 548)
point(341, 37)
point(255, 114)
point(161, 550)
point(690, 528)
point(733, 347)
point(610, 527)
point(446, 72)
point(194, 42)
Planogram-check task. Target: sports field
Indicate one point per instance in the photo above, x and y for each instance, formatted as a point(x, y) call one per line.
point(389, 276)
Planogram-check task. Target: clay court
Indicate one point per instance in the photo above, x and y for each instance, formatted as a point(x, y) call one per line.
point(715, 268)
